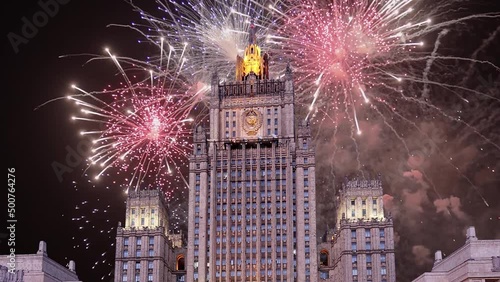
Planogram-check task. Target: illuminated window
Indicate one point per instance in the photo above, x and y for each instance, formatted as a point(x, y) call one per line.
point(368, 258)
point(382, 258)
point(382, 232)
point(383, 270)
point(323, 258)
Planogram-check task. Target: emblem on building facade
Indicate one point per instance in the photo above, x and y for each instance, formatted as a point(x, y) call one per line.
point(252, 121)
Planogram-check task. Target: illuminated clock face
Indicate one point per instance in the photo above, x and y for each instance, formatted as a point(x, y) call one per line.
point(252, 121)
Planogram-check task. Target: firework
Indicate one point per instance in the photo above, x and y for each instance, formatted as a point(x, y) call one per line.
point(214, 31)
point(139, 129)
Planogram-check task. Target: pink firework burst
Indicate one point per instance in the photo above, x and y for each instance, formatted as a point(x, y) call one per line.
point(143, 131)
point(348, 46)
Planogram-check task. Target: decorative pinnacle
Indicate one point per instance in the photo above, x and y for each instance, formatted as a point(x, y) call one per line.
point(252, 38)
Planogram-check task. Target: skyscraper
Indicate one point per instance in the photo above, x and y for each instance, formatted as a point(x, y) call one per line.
point(362, 247)
point(252, 214)
point(144, 249)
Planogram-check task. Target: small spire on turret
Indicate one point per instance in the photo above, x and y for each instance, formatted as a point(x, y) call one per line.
point(252, 35)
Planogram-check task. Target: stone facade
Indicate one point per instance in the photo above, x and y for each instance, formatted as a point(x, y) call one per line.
point(37, 268)
point(252, 211)
point(361, 247)
point(145, 251)
point(476, 261)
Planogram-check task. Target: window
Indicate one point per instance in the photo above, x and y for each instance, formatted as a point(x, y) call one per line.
point(374, 201)
point(353, 202)
point(354, 271)
point(383, 270)
point(125, 241)
point(138, 241)
point(150, 264)
point(137, 265)
point(368, 271)
point(382, 258)
point(353, 246)
point(133, 211)
point(364, 212)
point(382, 245)
point(353, 233)
point(137, 277)
point(138, 253)
point(227, 114)
point(354, 258)
point(125, 266)
point(124, 277)
point(323, 258)
point(382, 232)
point(151, 240)
point(150, 277)
point(125, 253)
point(368, 246)
point(367, 233)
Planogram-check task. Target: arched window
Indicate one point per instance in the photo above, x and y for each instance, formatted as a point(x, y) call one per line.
point(323, 258)
point(180, 263)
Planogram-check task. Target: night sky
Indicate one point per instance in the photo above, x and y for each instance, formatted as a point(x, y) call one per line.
point(431, 204)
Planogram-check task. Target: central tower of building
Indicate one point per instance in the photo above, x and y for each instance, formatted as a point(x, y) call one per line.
point(252, 206)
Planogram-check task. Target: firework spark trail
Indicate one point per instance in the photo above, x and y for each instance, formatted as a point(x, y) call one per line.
point(447, 159)
point(425, 75)
point(216, 30)
point(485, 43)
point(143, 124)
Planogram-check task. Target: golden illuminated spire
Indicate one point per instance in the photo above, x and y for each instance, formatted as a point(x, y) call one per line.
point(253, 61)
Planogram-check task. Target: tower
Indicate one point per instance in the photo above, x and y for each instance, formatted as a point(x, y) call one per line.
point(252, 213)
point(143, 249)
point(363, 244)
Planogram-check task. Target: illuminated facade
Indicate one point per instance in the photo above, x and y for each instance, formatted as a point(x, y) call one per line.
point(144, 249)
point(362, 246)
point(476, 261)
point(252, 214)
point(36, 268)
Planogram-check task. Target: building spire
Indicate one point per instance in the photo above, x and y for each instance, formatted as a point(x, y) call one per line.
point(252, 34)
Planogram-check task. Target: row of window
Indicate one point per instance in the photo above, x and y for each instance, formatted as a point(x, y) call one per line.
point(142, 210)
point(368, 246)
point(363, 202)
point(138, 240)
point(368, 232)
point(383, 271)
point(138, 253)
point(368, 258)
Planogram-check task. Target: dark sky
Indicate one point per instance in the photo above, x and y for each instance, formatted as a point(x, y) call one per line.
point(36, 139)
point(45, 206)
